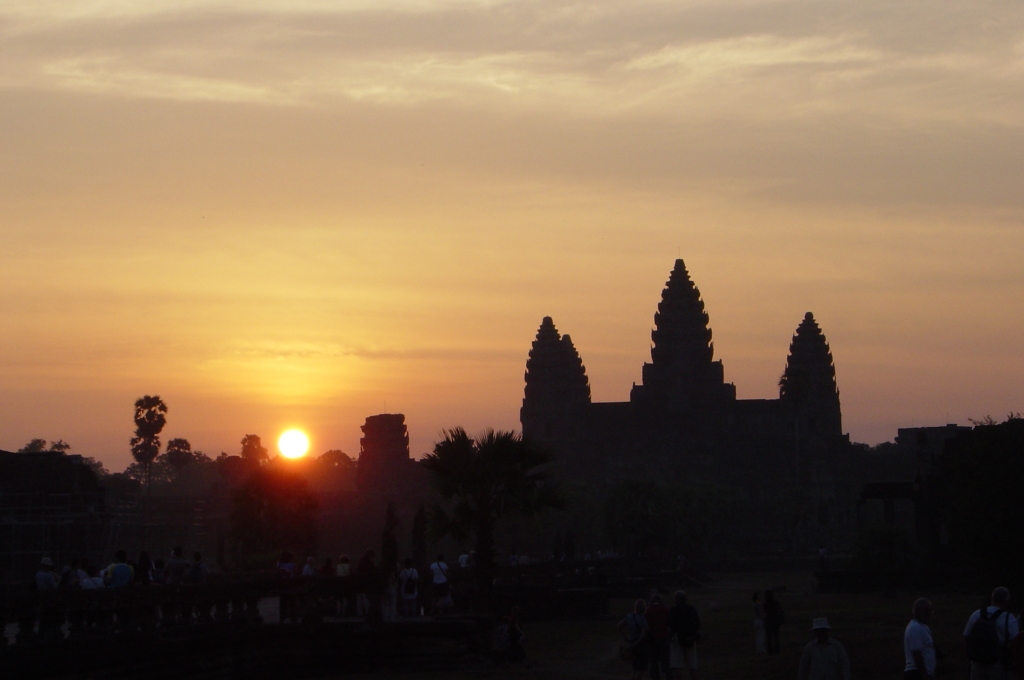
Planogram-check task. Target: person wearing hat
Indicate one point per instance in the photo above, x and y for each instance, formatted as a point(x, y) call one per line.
point(824, 658)
point(45, 580)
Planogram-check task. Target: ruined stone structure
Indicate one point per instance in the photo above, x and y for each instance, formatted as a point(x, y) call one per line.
point(384, 448)
point(683, 424)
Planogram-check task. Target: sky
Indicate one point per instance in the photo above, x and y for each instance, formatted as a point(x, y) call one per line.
point(279, 213)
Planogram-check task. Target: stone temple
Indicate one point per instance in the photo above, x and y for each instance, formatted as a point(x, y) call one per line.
point(684, 425)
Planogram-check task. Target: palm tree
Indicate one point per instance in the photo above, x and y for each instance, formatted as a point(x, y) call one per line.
point(482, 480)
point(150, 419)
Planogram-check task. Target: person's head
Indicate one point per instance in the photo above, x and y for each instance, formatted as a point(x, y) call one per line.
point(639, 607)
point(757, 596)
point(286, 557)
point(680, 598)
point(310, 561)
point(1001, 597)
point(198, 557)
point(343, 559)
point(120, 556)
point(923, 609)
point(408, 563)
point(821, 630)
point(178, 551)
point(440, 557)
point(655, 598)
point(45, 564)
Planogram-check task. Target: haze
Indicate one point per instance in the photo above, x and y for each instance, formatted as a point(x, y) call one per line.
point(301, 213)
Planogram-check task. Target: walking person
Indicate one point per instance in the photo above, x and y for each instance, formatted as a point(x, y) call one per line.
point(988, 635)
point(408, 580)
point(918, 644)
point(441, 589)
point(824, 658)
point(177, 567)
point(759, 647)
point(660, 635)
point(773, 620)
point(684, 622)
point(634, 632)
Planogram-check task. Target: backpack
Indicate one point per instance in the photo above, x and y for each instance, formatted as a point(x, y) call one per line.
point(983, 645)
point(409, 585)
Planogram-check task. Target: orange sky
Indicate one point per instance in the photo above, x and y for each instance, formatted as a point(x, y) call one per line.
point(302, 213)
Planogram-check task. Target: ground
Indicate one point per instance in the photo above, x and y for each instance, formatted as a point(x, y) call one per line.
point(870, 626)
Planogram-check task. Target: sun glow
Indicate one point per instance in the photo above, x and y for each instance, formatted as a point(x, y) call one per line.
point(293, 443)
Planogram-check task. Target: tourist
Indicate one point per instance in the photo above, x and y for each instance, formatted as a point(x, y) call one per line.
point(119, 574)
point(286, 565)
point(157, 574)
point(516, 653)
point(69, 575)
point(343, 570)
point(684, 623)
point(45, 580)
point(463, 561)
point(310, 568)
point(365, 570)
point(177, 567)
point(143, 573)
point(758, 624)
point(83, 570)
point(773, 620)
point(824, 658)
point(918, 645)
point(198, 571)
point(441, 589)
point(92, 580)
point(659, 633)
point(635, 633)
point(344, 567)
point(408, 579)
point(988, 634)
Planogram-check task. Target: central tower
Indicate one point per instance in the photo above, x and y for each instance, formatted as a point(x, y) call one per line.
point(682, 373)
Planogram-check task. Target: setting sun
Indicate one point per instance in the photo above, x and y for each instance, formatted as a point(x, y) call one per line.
point(293, 443)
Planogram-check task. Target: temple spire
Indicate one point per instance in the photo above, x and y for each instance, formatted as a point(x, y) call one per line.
point(808, 384)
point(557, 389)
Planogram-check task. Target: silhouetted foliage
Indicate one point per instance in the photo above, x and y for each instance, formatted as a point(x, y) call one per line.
point(337, 460)
point(149, 422)
point(419, 538)
point(34, 446)
point(979, 478)
point(253, 449)
point(481, 481)
point(178, 454)
point(273, 510)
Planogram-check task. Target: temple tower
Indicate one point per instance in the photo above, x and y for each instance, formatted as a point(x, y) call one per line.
point(682, 371)
point(808, 385)
point(384, 448)
point(557, 390)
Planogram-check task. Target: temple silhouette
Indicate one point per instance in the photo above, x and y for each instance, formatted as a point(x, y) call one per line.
point(683, 424)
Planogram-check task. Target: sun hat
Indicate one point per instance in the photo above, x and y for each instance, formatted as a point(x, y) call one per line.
point(46, 562)
point(820, 623)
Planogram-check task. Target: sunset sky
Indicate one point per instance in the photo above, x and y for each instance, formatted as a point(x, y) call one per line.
point(279, 213)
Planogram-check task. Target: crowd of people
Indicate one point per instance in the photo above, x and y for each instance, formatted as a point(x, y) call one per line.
point(661, 641)
point(122, 572)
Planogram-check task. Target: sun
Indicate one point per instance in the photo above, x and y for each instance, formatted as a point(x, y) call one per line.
point(293, 443)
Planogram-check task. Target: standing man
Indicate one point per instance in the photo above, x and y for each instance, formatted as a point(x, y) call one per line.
point(45, 580)
point(660, 634)
point(824, 658)
point(408, 580)
point(918, 645)
point(685, 624)
point(119, 574)
point(441, 589)
point(177, 567)
point(989, 632)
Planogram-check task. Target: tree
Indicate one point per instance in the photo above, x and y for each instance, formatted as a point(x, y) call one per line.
point(274, 510)
point(149, 422)
point(482, 480)
point(60, 446)
point(179, 454)
point(337, 460)
point(34, 446)
point(253, 450)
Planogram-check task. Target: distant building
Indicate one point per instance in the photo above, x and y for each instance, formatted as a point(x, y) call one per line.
point(684, 424)
point(383, 449)
point(51, 505)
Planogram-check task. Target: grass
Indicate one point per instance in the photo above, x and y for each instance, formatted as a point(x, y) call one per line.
point(870, 626)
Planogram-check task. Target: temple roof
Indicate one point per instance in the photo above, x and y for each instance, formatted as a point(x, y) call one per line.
point(810, 372)
point(681, 331)
point(555, 369)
